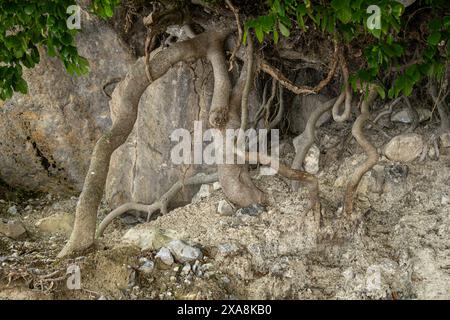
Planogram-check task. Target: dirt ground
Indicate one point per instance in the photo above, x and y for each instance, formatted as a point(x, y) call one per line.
point(396, 246)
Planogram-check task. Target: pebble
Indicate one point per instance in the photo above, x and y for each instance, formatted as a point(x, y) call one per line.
point(183, 252)
point(147, 267)
point(165, 256)
point(12, 210)
point(224, 208)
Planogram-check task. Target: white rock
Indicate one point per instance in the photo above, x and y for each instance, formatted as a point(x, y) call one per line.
point(267, 171)
point(12, 210)
point(186, 269)
point(204, 192)
point(149, 238)
point(217, 186)
point(445, 200)
point(224, 208)
point(312, 160)
point(404, 148)
point(404, 117)
point(165, 256)
point(183, 252)
point(147, 267)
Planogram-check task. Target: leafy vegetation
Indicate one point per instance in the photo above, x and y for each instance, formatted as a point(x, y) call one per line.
point(387, 45)
point(27, 25)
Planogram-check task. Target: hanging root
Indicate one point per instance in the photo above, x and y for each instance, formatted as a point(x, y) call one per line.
point(284, 81)
point(280, 112)
point(346, 95)
point(370, 150)
point(239, 38)
point(162, 204)
point(248, 85)
point(413, 114)
point(307, 138)
point(439, 102)
point(266, 104)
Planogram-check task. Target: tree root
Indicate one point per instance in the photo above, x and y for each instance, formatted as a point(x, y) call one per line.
point(162, 204)
point(279, 76)
point(124, 105)
point(346, 96)
point(370, 150)
point(308, 138)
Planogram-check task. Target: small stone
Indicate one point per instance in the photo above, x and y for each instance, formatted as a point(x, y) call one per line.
point(224, 208)
point(11, 229)
point(404, 148)
point(204, 192)
point(186, 269)
point(312, 160)
point(147, 267)
point(12, 210)
point(253, 210)
point(183, 252)
point(445, 200)
point(57, 224)
point(216, 186)
point(165, 256)
point(102, 298)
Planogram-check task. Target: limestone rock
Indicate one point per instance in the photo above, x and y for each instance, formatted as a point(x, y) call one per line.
point(57, 223)
point(183, 252)
point(312, 160)
point(224, 208)
point(404, 117)
point(48, 135)
point(149, 238)
point(165, 256)
point(404, 148)
point(204, 192)
point(11, 229)
point(445, 140)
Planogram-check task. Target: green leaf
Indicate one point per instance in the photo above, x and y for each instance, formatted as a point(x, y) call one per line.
point(21, 86)
point(259, 33)
point(434, 38)
point(284, 30)
point(381, 92)
point(345, 15)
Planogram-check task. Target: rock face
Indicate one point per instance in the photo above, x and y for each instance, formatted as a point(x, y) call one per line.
point(141, 169)
point(48, 135)
point(404, 116)
point(404, 148)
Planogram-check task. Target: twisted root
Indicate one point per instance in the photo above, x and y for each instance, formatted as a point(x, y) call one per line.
point(369, 149)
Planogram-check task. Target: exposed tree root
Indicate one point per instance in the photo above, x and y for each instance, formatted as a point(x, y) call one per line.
point(279, 76)
point(124, 105)
point(308, 138)
point(239, 38)
point(266, 103)
point(370, 150)
point(162, 204)
point(413, 114)
point(439, 102)
point(346, 96)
